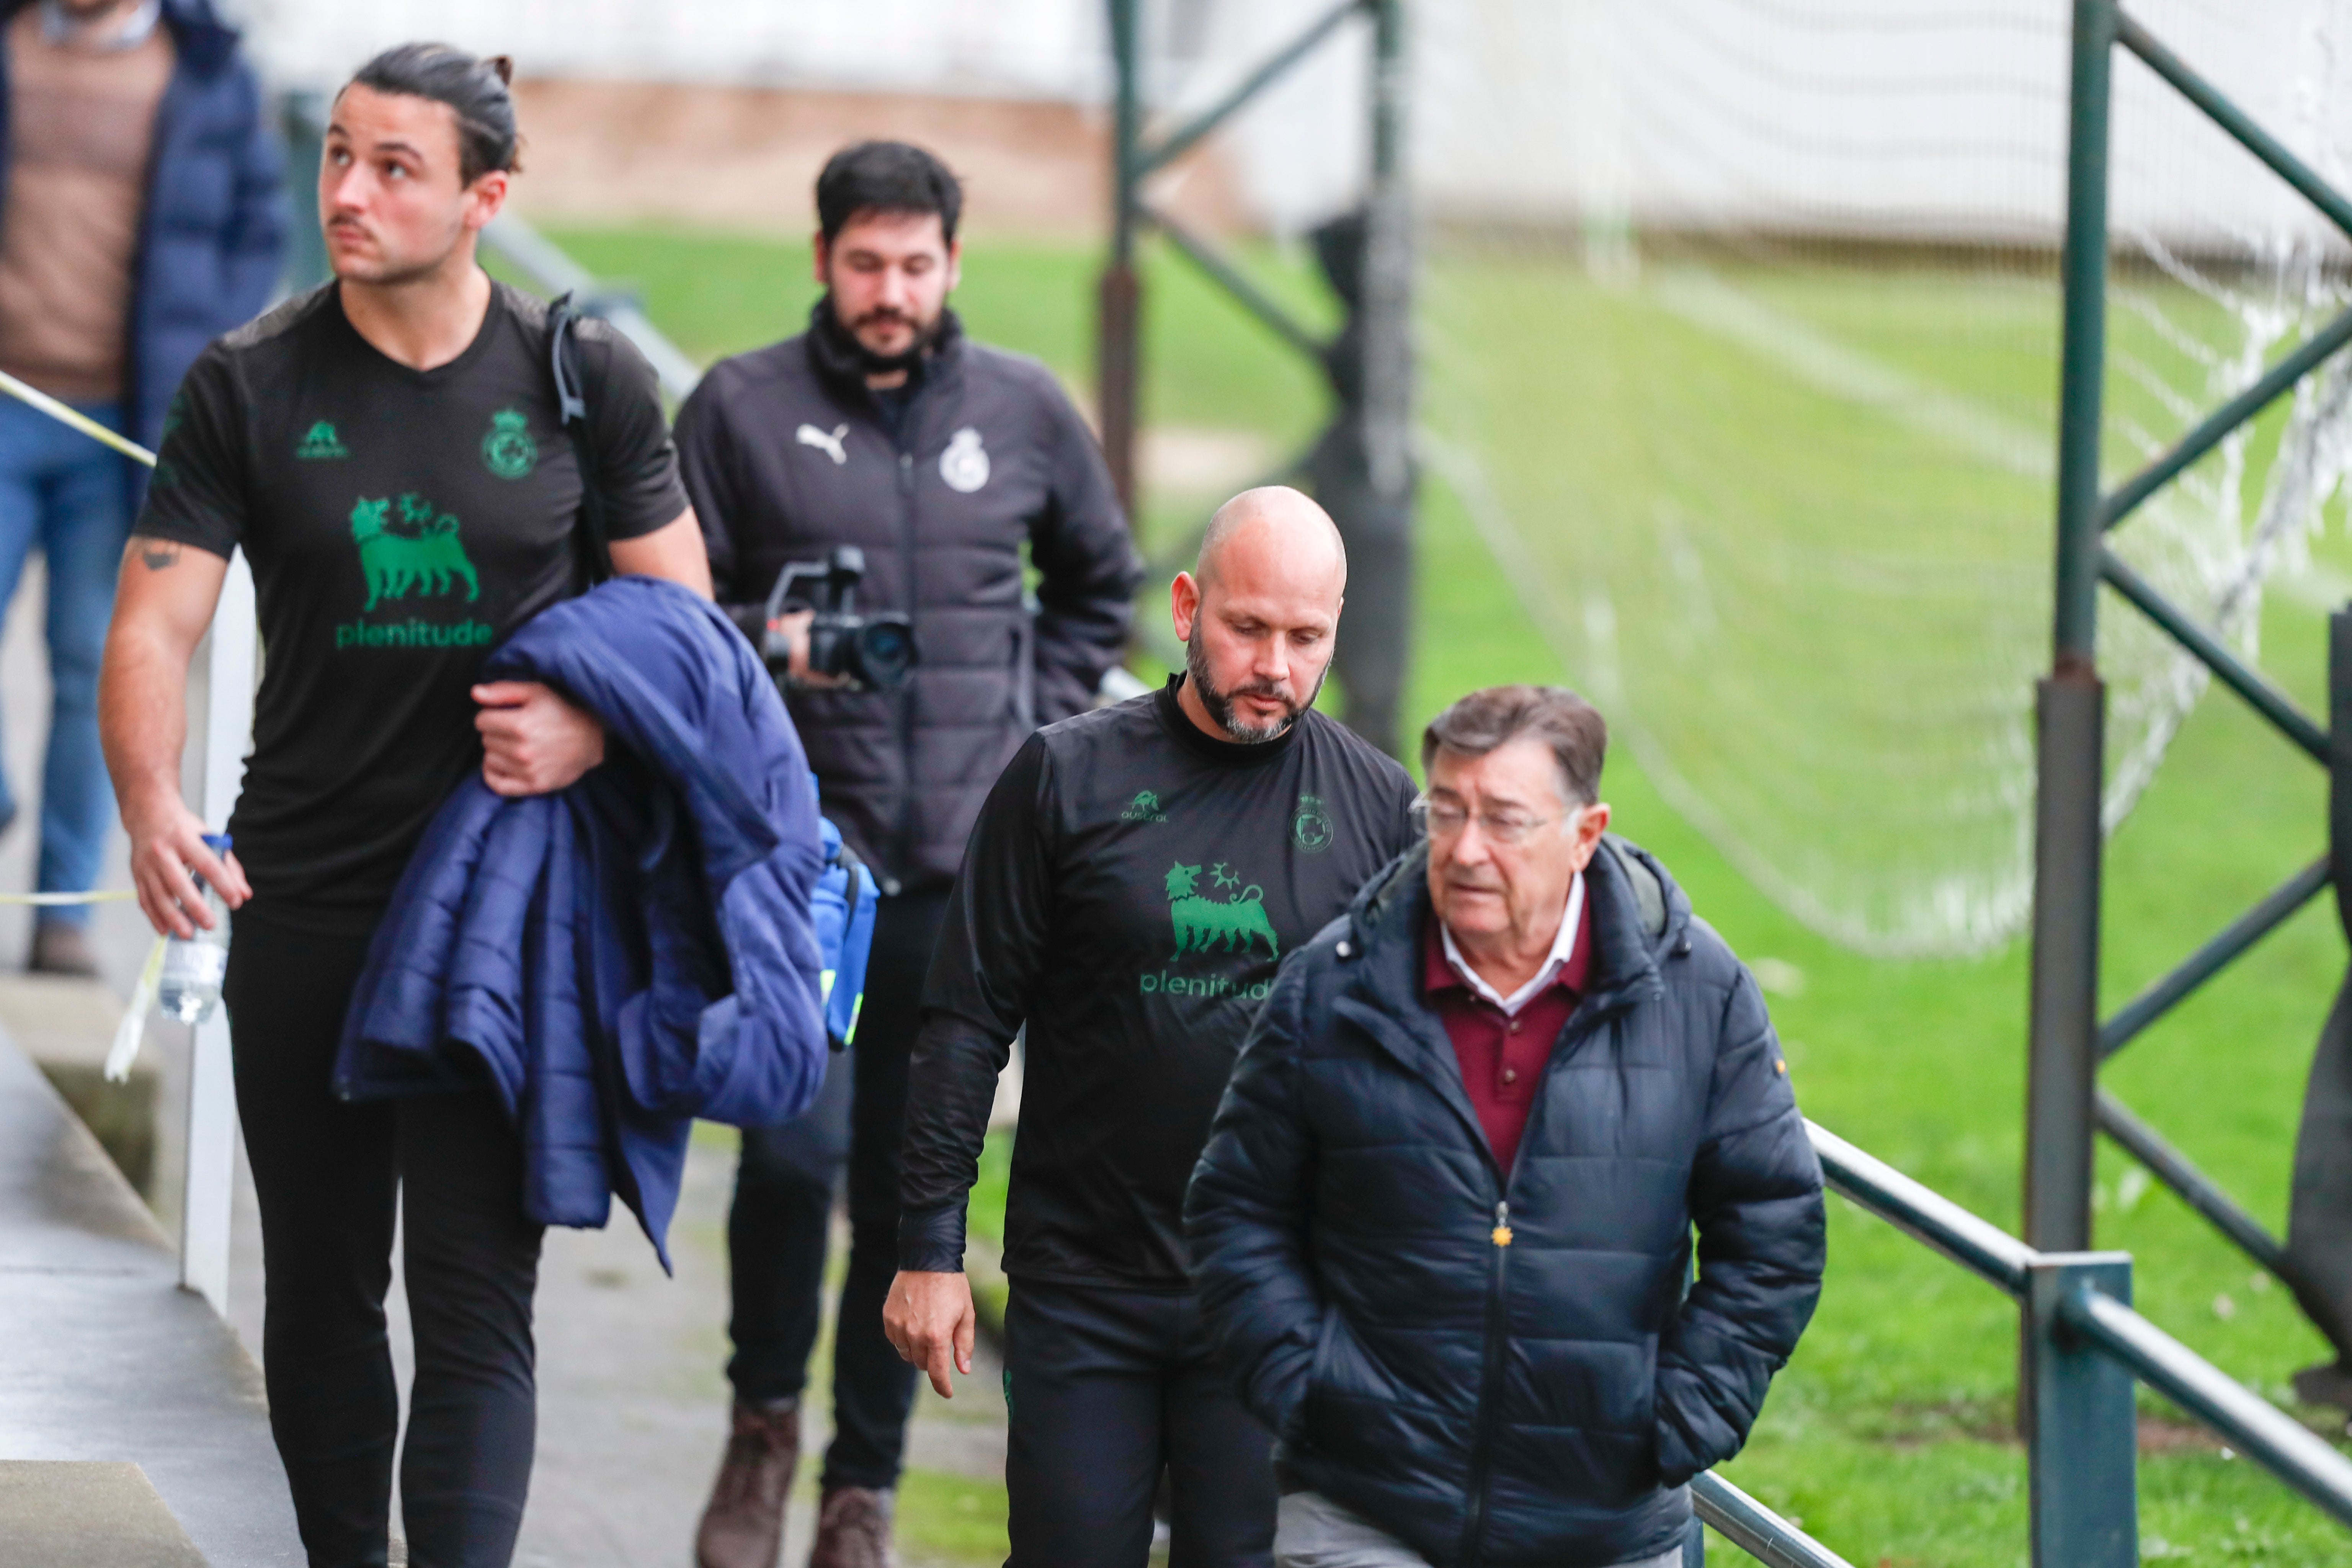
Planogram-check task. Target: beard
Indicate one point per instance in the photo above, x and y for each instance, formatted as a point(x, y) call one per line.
point(1220, 704)
point(925, 333)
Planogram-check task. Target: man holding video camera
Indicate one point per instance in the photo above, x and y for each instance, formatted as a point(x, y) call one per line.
point(935, 461)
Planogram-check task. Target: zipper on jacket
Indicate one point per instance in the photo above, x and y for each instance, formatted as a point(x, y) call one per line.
point(1490, 1393)
point(903, 700)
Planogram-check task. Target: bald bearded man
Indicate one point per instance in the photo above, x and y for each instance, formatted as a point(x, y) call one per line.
point(1134, 880)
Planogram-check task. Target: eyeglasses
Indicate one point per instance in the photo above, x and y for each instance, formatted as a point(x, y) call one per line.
point(1443, 819)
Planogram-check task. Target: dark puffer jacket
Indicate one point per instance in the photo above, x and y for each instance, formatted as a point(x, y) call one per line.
point(1505, 1368)
point(212, 235)
point(787, 455)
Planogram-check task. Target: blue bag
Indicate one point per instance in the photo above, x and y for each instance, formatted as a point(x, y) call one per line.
point(843, 908)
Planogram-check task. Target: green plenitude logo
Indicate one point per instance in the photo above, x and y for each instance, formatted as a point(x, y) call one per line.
point(1144, 807)
point(1236, 924)
point(426, 557)
point(507, 449)
point(320, 444)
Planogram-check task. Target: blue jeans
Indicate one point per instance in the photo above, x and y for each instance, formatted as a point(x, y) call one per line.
point(63, 492)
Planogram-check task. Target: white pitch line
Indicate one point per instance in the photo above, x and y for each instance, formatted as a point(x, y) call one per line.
point(1828, 365)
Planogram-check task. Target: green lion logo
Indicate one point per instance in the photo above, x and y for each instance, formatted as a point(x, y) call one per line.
point(508, 450)
point(1234, 925)
point(425, 558)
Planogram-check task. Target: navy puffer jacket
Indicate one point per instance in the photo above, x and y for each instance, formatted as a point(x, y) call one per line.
point(624, 955)
point(1510, 1367)
point(212, 235)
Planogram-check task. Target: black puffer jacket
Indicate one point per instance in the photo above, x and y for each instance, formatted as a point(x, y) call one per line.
point(786, 454)
point(1544, 1400)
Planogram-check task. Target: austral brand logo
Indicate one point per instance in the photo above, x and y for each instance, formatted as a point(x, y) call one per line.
point(1144, 807)
point(1310, 826)
point(417, 554)
point(964, 465)
point(507, 449)
point(321, 445)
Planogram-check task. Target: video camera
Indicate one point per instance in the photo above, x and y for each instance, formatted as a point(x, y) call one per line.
point(868, 653)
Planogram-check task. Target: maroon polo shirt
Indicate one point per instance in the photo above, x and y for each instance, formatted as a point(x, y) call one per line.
point(1502, 1056)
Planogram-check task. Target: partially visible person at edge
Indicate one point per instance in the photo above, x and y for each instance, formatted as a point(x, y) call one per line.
point(143, 219)
point(1442, 1228)
point(883, 426)
point(1137, 875)
point(386, 450)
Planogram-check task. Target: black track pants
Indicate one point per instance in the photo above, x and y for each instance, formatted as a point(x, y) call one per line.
point(784, 1203)
point(1103, 1388)
point(327, 1174)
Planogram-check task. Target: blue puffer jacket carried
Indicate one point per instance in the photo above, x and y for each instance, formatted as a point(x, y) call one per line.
point(212, 235)
point(1529, 1384)
point(623, 956)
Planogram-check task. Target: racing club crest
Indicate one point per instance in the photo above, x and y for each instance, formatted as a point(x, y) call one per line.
point(507, 449)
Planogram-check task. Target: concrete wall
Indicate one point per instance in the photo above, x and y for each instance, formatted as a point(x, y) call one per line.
point(1914, 119)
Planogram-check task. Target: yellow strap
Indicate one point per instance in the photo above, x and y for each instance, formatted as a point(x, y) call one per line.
point(52, 901)
point(79, 421)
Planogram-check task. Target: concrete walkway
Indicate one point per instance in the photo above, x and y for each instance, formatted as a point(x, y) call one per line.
point(104, 1360)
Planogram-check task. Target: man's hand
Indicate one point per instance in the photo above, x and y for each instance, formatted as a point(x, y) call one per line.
point(167, 842)
point(793, 625)
point(926, 1316)
point(533, 742)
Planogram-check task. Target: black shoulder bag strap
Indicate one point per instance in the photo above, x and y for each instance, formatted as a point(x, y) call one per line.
point(572, 410)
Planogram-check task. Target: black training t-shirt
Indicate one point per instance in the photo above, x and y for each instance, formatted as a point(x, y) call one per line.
point(1127, 892)
point(399, 523)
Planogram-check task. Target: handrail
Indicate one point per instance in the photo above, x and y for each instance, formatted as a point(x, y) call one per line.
point(1757, 1529)
point(2260, 1429)
point(1977, 1245)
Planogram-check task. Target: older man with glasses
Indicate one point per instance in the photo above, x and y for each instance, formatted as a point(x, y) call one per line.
point(1442, 1228)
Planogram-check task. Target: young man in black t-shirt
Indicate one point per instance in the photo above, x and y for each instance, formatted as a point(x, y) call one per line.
point(386, 450)
point(1135, 878)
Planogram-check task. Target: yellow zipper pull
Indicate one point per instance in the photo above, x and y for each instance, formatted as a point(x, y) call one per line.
point(1502, 1235)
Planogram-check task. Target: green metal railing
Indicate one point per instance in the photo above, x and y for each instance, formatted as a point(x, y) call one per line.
point(2069, 1041)
point(1136, 157)
point(2086, 1348)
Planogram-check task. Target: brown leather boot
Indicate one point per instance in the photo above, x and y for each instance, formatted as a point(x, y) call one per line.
point(852, 1529)
point(743, 1523)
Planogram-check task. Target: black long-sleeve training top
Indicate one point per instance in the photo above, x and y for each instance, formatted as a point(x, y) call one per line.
point(1128, 890)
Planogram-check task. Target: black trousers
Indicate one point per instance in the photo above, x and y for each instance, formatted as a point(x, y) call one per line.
point(1103, 1388)
point(783, 1204)
point(328, 1174)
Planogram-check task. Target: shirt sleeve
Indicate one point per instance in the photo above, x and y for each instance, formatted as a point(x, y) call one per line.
point(199, 492)
point(989, 953)
point(637, 460)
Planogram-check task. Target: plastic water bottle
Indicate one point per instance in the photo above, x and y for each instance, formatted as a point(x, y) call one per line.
point(193, 967)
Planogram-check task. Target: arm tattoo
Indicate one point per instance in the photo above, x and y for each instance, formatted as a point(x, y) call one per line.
point(160, 554)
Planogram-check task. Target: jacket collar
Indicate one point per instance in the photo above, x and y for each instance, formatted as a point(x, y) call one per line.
point(1383, 995)
point(203, 43)
point(833, 353)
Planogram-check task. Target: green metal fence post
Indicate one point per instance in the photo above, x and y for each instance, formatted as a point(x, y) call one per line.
point(1388, 272)
point(2085, 1445)
point(2062, 1062)
point(1118, 349)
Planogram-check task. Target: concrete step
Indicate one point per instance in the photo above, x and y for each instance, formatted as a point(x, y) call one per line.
point(89, 1514)
point(105, 1361)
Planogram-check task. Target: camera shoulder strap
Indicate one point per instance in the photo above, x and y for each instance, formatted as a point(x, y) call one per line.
point(565, 362)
